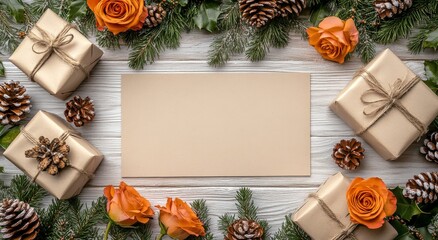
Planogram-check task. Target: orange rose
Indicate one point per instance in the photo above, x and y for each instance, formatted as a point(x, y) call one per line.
point(369, 202)
point(334, 38)
point(118, 15)
point(125, 206)
point(179, 220)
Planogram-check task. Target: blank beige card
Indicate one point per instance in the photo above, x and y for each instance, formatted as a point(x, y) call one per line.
point(215, 124)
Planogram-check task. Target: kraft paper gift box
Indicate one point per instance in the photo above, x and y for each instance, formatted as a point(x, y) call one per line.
point(318, 224)
point(390, 115)
point(84, 158)
point(61, 67)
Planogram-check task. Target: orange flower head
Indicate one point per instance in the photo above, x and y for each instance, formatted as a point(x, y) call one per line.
point(118, 15)
point(369, 202)
point(334, 38)
point(179, 220)
point(125, 206)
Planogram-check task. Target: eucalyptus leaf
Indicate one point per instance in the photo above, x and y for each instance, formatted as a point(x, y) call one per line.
point(9, 136)
point(406, 208)
point(431, 40)
point(16, 8)
point(207, 16)
point(77, 9)
point(2, 69)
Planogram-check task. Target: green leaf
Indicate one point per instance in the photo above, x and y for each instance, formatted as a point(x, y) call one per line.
point(431, 69)
point(77, 9)
point(183, 3)
point(2, 69)
point(406, 208)
point(402, 230)
point(425, 233)
point(207, 16)
point(431, 40)
point(317, 15)
point(16, 9)
point(9, 136)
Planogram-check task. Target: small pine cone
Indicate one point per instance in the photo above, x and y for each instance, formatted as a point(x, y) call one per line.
point(286, 7)
point(257, 12)
point(389, 8)
point(51, 155)
point(18, 220)
point(423, 188)
point(430, 148)
point(156, 14)
point(14, 102)
point(348, 154)
point(243, 229)
point(79, 111)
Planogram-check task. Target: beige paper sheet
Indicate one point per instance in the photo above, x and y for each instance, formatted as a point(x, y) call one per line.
point(215, 124)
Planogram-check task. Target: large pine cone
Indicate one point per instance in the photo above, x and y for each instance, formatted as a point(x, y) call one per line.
point(257, 12)
point(18, 220)
point(243, 229)
point(423, 188)
point(14, 103)
point(79, 111)
point(430, 148)
point(348, 154)
point(156, 14)
point(389, 8)
point(286, 7)
point(51, 155)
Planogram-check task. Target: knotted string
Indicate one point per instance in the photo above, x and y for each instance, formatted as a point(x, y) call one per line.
point(388, 100)
point(50, 45)
point(63, 137)
point(347, 231)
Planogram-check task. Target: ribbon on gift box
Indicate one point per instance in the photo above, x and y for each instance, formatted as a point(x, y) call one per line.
point(387, 100)
point(347, 231)
point(63, 137)
point(52, 45)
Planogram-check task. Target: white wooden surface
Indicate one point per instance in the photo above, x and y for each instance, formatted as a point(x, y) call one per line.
point(275, 196)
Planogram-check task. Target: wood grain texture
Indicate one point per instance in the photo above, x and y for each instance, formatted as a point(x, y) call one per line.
point(276, 196)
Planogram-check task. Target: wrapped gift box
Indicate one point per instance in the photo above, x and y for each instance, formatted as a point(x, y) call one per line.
point(60, 70)
point(84, 158)
point(312, 218)
point(389, 131)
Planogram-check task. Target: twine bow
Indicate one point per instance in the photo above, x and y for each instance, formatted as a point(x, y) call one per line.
point(63, 137)
point(47, 45)
point(388, 99)
point(347, 231)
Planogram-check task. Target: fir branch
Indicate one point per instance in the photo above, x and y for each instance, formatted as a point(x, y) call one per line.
point(225, 221)
point(85, 220)
point(151, 42)
point(142, 232)
point(50, 217)
point(107, 39)
point(8, 33)
point(290, 231)
point(245, 205)
point(87, 23)
point(201, 210)
point(25, 190)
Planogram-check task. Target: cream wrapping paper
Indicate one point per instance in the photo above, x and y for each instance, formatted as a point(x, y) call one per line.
point(84, 156)
point(393, 133)
point(57, 76)
point(319, 226)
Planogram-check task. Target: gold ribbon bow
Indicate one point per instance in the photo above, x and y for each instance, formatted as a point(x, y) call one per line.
point(347, 231)
point(47, 45)
point(63, 137)
point(387, 99)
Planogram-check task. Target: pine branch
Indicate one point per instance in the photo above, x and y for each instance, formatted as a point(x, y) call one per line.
point(201, 210)
point(8, 33)
point(50, 217)
point(25, 190)
point(245, 205)
point(85, 220)
point(107, 39)
point(290, 231)
point(225, 221)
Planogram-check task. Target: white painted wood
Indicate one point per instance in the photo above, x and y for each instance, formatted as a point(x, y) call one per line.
point(276, 196)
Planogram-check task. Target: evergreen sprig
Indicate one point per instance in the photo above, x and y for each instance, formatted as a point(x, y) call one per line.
point(200, 208)
point(290, 231)
point(25, 190)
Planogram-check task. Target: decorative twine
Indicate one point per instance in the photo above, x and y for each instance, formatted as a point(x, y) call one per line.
point(347, 231)
point(51, 45)
point(388, 100)
point(63, 137)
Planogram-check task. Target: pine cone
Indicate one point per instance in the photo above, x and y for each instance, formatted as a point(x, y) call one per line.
point(156, 14)
point(79, 111)
point(257, 12)
point(286, 7)
point(14, 103)
point(51, 155)
point(389, 8)
point(430, 148)
point(348, 153)
point(18, 220)
point(244, 229)
point(423, 188)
